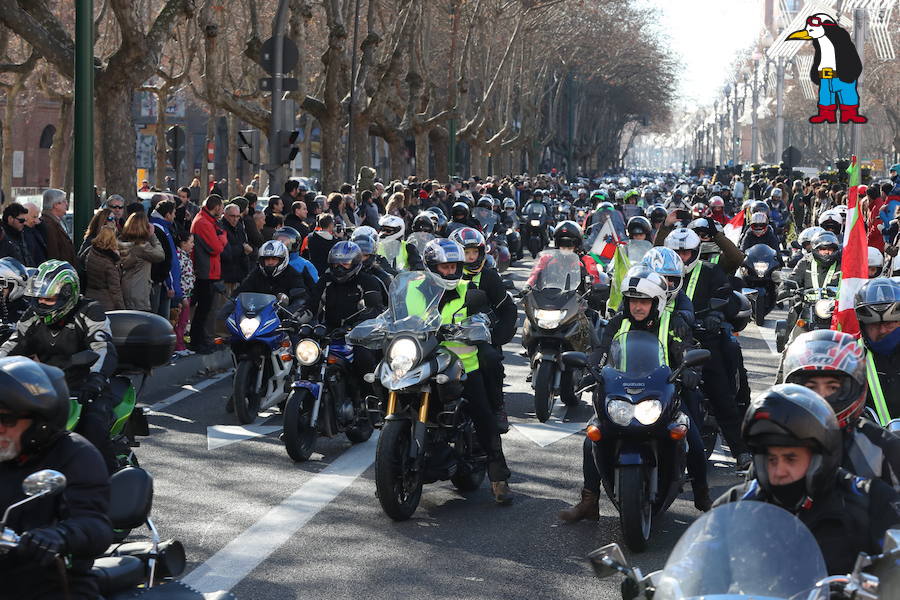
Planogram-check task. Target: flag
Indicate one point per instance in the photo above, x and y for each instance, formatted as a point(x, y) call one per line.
point(854, 259)
point(735, 227)
point(620, 264)
point(604, 246)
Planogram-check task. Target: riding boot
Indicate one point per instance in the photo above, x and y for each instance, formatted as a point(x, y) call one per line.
point(588, 508)
point(702, 501)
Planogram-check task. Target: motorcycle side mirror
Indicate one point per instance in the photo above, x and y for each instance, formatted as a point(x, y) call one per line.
point(608, 561)
point(574, 359)
point(776, 276)
point(894, 426)
point(600, 291)
point(37, 485)
point(718, 303)
point(476, 301)
point(282, 299)
point(692, 358)
point(84, 358)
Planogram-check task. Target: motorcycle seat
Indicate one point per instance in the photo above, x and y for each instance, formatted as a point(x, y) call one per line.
point(130, 498)
point(118, 573)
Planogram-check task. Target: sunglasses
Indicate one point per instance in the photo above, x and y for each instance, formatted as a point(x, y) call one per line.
point(117, 206)
point(10, 420)
point(23, 221)
point(758, 227)
point(817, 22)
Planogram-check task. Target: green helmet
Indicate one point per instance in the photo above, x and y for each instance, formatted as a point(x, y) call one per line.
point(54, 279)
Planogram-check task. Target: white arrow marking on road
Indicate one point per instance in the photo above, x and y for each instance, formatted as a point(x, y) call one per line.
point(767, 335)
point(188, 390)
point(227, 567)
point(218, 436)
point(555, 429)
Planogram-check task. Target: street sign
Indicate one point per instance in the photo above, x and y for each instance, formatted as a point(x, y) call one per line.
point(288, 84)
point(290, 56)
point(791, 157)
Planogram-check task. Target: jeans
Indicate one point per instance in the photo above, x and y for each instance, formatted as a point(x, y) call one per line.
point(834, 91)
point(203, 295)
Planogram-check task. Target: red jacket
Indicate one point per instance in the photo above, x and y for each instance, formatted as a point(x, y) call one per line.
point(209, 241)
point(876, 239)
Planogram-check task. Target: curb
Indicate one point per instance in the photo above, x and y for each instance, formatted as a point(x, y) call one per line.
point(181, 370)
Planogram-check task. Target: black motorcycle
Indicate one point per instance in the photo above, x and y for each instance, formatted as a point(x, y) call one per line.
point(642, 460)
point(813, 307)
point(534, 227)
point(761, 262)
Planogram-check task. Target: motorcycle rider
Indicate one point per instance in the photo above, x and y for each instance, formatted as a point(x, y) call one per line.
point(821, 268)
point(832, 220)
point(291, 238)
point(644, 294)
point(34, 407)
point(392, 229)
point(717, 210)
point(445, 260)
point(877, 307)
point(461, 216)
point(705, 281)
point(274, 275)
point(715, 246)
point(424, 222)
point(639, 228)
point(567, 238)
point(833, 364)
point(60, 323)
point(797, 452)
point(759, 232)
point(804, 241)
point(368, 246)
point(875, 261)
point(503, 315)
point(667, 263)
point(13, 280)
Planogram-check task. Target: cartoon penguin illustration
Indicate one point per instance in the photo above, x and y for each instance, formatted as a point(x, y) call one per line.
point(836, 67)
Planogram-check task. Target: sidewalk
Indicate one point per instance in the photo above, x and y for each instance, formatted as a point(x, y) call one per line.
point(184, 369)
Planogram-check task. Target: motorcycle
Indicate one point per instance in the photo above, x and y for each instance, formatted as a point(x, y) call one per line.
point(761, 262)
point(750, 550)
point(325, 399)
point(496, 241)
point(513, 238)
point(126, 570)
point(426, 435)
point(419, 239)
point(535, 227)
point(642, 459)
point(555, 322)
point(262, 349)
point(814, 309)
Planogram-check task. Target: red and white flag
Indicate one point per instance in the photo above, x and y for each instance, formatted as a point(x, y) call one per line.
point(735, 227)
point(854, 259)
point(606, 242)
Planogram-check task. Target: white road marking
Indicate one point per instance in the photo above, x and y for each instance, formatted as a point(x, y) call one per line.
point(768, 336)
point(555, 429)
point(218, 436)
point(188, 390)
point(227, 567)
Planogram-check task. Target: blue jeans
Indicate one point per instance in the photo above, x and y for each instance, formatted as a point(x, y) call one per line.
point(834, 91)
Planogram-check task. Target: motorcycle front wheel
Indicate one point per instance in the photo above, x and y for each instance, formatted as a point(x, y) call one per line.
point(635, 512)
point(543, 395)
point(397, 483)
point(246, 395)
point(299, 434)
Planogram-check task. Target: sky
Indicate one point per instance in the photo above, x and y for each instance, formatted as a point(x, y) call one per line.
point(707, 35)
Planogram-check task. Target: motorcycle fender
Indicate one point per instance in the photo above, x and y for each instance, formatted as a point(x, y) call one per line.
point(630, 455)
point(312, 386)
point(417, 443)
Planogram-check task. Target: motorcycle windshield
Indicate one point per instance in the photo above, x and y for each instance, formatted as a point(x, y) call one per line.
point(636, 249)
point(636, 354)
point(253, 303)
point(488, 220)
point(389, 249)
point(557, 270)
point(414, 299)
point(743, 549)
point(761, 253)
point(419, 239)
point(535, 210)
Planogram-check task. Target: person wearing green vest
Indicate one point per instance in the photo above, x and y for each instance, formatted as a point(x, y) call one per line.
point(644, 298)
point(878, 312)
point(818, 269)
point(392, 230)
point(715, 247)
point(445, 259)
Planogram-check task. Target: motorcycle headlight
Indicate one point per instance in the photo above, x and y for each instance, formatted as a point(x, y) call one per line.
point(824, 308)
point(760, 268)
point(535, 223)
point(249, 326)
point(619, 411)
point(549, 319)
point(648, 411)
point(402, 355)
point(307, 352)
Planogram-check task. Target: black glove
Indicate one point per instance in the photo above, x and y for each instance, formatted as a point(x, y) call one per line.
point(93, 386)
point(41, 546)
point(713, 322)
point(690, 379)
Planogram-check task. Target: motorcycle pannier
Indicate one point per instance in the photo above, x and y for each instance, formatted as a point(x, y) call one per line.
point(143, 340)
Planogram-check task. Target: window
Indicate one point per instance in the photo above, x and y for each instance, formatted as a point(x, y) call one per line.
point(47, 136)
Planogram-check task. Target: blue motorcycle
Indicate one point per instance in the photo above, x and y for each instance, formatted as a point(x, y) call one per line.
point(261, 343)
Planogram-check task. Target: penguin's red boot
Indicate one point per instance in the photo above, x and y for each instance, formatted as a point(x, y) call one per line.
point(849, 114)
point(827, 114)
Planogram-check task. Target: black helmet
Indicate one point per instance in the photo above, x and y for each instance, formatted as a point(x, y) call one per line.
point(459, 212)
point(878, 301)
point(825, 240)
point(639, 224)
point(38, 391)
point(744, 312)
point(423, 222)
point(792, 415)
point(342, 254)
point(829, 353)
point(568, 233)
point(290, 237)
point(657, 213)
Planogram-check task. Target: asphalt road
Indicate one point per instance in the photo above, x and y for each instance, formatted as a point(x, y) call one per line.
point(255, 522)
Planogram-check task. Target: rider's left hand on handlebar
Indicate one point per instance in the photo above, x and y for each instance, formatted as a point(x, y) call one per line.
point(93, 386)
point(713, 321)
point(41, 546)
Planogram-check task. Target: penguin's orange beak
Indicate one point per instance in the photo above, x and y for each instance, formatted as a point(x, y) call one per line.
point(799, 35)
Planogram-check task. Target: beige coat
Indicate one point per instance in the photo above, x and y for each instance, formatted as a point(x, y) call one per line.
point(136, 260)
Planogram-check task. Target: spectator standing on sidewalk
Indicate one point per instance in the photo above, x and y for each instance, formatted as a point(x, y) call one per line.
point(59, 241)
point(209, 241)
point(37, 245)
point(185, 241)
point(102, 273)
point(167, 284)
point(139, 249)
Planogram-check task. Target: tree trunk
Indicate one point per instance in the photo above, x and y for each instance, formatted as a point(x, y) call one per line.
point(59, 150)
point(423, 149)
point(233, 188)
point(117, 139)
point(331, 153)
point(360, 157)
point(162, 100)
point(397, 160)
point(6, 163)
point(205, 175)
point(440, 141)
point(307, 146)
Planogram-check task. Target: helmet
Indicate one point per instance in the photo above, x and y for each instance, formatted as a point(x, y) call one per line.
point(878, 301)
point(792, 415)
point(657, 213)
point(699, 209)
point(835, 354)
point(459, 211)
point(701, 191)
point(667, 263)
point(537, 193)
point(703, 227)
point(685, 239)
point(39, 391)
point(278, 250)
point(759, 222)
point(468, 237)
point(776, 193)
point(341, 255)
point(567, 233)
point(290, 237)
point(642, 282)
point(391, 228)
point(439, 219)
point(368, 246)
point(639, 223)
point(759, 206)
point(54, 279)
point(13, 277)
point(442, 251)
point(832, 221)
point(825, 240)
point(876, 258)
point(486, 202)
point(365, 230)
point(716, 202)
point(620, 195)
point(744, 312)
point(715, 188)
point(806, 236)
point(423, 222)
point(509, 203)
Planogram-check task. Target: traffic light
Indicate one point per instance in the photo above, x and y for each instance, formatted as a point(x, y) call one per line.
point(287, 146)
point(175, 144)
point(248, 145)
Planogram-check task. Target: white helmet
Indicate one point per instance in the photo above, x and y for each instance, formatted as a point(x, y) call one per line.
point(277, 249)
point(365, 230)
point(392, 228)
point(641, 281)
point(806, 236)
point(876, 258)
point(14, 277)
point(685, 239)
point(832, 215)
